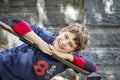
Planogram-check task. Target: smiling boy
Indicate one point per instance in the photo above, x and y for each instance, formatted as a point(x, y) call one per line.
point(25, 62)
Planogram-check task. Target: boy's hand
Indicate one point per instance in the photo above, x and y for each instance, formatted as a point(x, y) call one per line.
point(46, 49)
point(61, 54)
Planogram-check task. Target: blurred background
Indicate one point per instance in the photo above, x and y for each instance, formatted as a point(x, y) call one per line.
point(102, 18)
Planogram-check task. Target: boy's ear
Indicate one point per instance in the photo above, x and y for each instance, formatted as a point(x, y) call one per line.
point(62, 30)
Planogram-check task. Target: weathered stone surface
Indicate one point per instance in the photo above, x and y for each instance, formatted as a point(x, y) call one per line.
point(110, 72)
point(116, 6)
point(104, 13)
point(102, 5)
point(93, 5)
point(59, 3)
point(103, 56)
point(30, 17)
point(102, 19)
point(54, 30)
point(102, 16)
point(105, 37)
point(22, 3)
point(2, 3)
point(55, 19)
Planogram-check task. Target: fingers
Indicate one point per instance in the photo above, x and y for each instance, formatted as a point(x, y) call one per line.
point(52, 49)
point(48, 50)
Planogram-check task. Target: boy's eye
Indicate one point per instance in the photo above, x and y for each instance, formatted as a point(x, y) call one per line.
point(70, 45)
point(66, 37)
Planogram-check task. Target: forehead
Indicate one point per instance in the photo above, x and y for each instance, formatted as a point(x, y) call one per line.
point(71, 35)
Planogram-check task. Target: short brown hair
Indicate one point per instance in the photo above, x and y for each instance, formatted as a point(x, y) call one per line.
point(82, 39)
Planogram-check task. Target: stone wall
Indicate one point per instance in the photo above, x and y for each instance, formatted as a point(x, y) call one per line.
point(100, 16)
point(103, 19)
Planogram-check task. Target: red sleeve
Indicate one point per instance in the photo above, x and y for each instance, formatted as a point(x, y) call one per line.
point(79, 62)
point(21, 28)
point(84, 64)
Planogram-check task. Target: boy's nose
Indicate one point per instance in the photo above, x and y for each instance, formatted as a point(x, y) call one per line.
point(65, 42)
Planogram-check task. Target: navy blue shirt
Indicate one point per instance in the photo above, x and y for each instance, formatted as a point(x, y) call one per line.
point(25, 62)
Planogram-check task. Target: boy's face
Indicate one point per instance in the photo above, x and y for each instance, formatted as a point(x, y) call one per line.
point(64, 42)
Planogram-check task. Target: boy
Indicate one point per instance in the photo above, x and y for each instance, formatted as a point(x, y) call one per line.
point(25, 62)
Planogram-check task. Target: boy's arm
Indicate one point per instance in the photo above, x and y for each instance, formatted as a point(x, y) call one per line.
point(43, 46)
point(78, 60)
point(23, 29)
point(84, 63)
